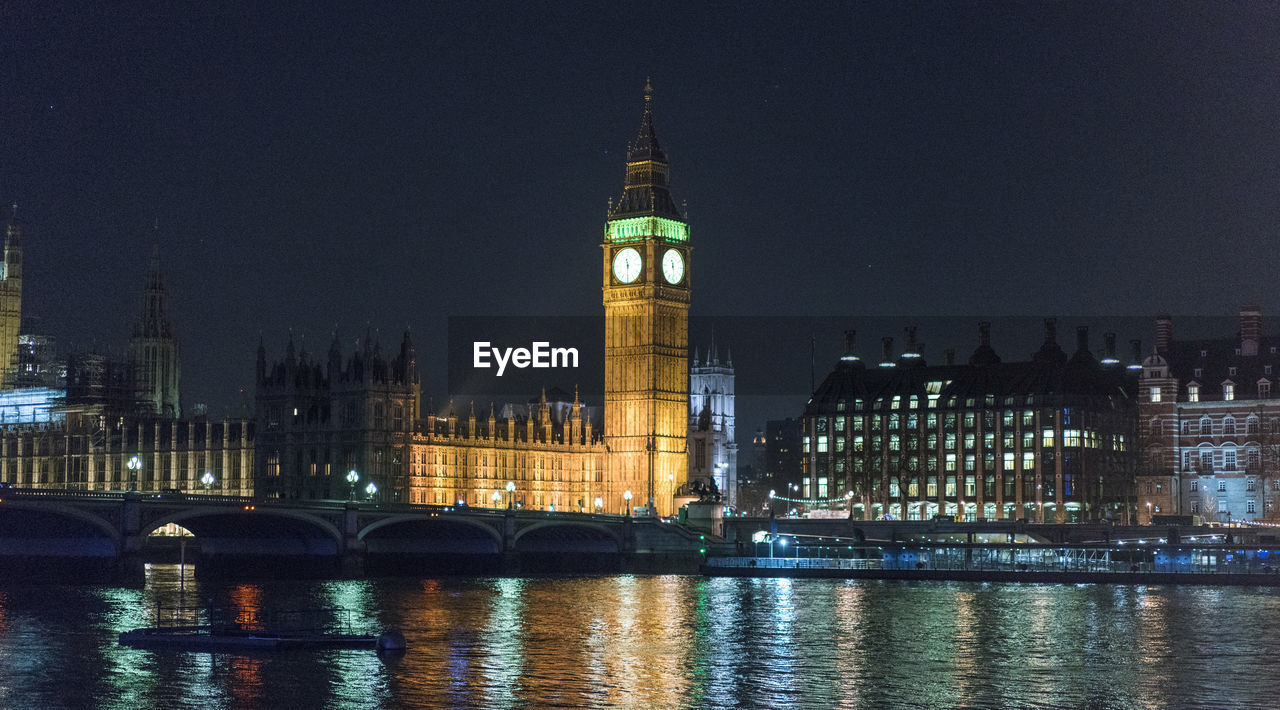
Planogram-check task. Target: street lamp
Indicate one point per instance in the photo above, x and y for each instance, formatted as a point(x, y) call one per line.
point(134, 464)
point(497, 498)
point(371, 489)
point(599, 503)
point(207, 479)
point(626, 496)
point(352, 477)
point(511, 494)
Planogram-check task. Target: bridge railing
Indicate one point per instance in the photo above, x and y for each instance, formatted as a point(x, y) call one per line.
point(792, 563)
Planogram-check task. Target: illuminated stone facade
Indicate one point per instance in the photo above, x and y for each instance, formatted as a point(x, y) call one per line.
point(549, 452)
point(10, 300)
point(85, 450)
point(713, 451)
point(1052, 439)
point(1210, 417)
point(646, 282)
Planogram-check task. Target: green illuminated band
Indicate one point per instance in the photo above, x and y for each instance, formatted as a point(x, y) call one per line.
point(637, 228)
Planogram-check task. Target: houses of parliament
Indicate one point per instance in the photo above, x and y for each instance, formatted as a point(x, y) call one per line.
point(352, 425)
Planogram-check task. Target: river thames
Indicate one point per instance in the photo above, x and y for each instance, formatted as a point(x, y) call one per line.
point(664, 642)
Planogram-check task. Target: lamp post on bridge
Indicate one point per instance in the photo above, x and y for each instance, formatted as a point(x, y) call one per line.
point(352, 479)
point(511, 495)
point(371, 490)
point(207, 480)
point(134, 465)
point(497, 499)
point(626, 496)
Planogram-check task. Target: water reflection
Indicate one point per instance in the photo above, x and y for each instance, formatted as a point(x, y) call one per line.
point(659, 642)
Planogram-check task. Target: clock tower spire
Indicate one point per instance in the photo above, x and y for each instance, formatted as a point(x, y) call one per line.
point(646, 279)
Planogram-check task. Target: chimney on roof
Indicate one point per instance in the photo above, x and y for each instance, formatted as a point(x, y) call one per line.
point(887, 360)
point(984, 334)
point(1109, 349)
point(850, 341)
point(1250, 329)
point(1164, 332)
point(1050, 331)
point(1082, 338)
point(1136, 363)
point(949, 356)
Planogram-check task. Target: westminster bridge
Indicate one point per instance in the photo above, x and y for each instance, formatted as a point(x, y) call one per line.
point(44, 530)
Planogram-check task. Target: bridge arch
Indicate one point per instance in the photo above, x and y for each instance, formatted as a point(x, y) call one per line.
point(567, 536)
point(216, 518)
point(97, 522)
point(421, 518)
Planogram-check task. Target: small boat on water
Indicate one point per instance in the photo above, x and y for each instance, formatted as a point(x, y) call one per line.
point(228, 629)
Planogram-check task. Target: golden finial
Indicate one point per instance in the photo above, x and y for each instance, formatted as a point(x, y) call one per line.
point(648, 88)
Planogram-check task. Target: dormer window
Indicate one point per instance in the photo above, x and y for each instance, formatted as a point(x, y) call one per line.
point(1231, 371)
point(1228, 391)
point(1266, 369)
point(1264, 389)
point(1204, 353)
point(1198, 372)
point(1193, 392)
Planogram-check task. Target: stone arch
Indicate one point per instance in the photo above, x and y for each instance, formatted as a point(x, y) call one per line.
point(574, 526)
point(420, 518)
point(330, 531)
point(99, 523)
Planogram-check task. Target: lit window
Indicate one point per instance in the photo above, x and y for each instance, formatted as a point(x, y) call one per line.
point(1193, 393)
point(1028, 460)
point(1228, 391)
point(1155, 394)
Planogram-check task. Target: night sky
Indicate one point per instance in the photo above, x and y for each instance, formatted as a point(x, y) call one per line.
point(377, 166)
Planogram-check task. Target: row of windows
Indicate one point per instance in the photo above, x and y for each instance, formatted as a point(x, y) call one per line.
point(1228, 391)
point(1250, 507)
point(1227, 426)
point(933, 397)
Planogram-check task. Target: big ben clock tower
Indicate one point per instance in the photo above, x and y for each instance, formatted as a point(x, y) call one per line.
point(646, 307)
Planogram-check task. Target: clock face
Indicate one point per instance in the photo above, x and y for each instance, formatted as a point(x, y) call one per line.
point(626, 265)
point(673, 266)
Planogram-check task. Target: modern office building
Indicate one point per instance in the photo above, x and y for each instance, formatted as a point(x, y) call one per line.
point(1051, 439)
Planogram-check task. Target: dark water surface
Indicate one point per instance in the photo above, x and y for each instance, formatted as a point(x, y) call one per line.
point(666, 641)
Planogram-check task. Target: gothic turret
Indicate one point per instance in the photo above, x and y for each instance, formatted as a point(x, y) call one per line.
point(11, 298)
point(153, 349)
